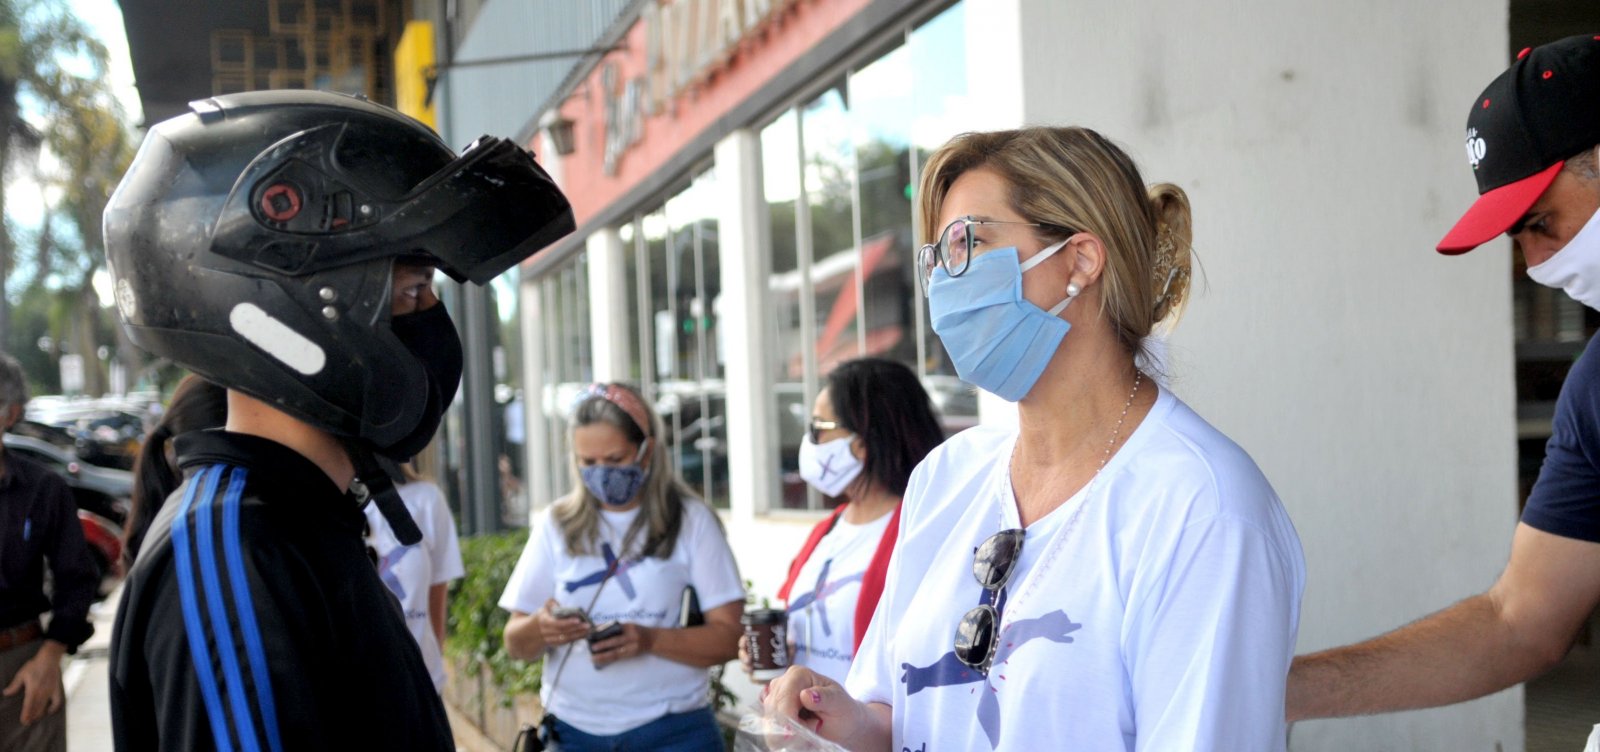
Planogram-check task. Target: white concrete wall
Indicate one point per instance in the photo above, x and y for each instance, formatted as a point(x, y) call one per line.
point(610, 329)
point(1369, 377)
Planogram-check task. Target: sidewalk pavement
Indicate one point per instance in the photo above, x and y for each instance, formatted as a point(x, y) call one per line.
point(88, 695)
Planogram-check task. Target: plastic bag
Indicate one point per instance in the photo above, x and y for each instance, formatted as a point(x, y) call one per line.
point(759, 732)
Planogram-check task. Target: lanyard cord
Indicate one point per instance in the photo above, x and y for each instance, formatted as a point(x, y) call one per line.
point(562, 666)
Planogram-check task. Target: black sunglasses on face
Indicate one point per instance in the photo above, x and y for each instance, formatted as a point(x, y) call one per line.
point(993, 563)
point(818, 425)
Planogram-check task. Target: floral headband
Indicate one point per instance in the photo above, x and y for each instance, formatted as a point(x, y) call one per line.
point(622, 398)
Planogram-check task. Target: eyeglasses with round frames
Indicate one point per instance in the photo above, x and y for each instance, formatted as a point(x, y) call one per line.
point(954, 248)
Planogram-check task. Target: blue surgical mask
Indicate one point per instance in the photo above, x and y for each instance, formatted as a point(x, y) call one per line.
point(997, 340)
point(615, 485)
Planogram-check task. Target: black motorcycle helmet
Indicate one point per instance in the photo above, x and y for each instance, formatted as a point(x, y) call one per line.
point(253, 242)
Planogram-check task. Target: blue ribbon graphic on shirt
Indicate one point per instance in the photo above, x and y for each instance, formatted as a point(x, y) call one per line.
point(948, 671)
point(821, 592)
point(599, 576)
point(386, 571)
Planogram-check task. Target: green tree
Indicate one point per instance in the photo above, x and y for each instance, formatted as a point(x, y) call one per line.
point(46, 54)
point(93, 148)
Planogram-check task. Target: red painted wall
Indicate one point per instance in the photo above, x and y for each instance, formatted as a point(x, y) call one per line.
point(758, 60)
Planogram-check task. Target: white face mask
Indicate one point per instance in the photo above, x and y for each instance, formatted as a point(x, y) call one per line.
point(1576, 267)
point(829, 467)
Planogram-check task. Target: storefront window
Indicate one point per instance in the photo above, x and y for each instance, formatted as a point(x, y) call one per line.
point(632, 252)
point(568, 364)
point(840, 172)
point(510, 430)
point(790, 298)
point(936, 52)
point(830, 182)
point(675, 281)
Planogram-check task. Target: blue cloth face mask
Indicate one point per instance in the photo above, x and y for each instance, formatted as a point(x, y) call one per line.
point(615, 485)
point(997, 340)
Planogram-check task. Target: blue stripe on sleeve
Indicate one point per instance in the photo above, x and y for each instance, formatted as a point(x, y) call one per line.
point(193, 624)
point(221, 626)
point(245, 607)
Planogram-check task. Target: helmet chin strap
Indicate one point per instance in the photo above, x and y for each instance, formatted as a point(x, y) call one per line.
point(373, 484)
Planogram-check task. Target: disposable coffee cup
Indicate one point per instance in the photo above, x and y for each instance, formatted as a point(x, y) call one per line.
point(766, 638)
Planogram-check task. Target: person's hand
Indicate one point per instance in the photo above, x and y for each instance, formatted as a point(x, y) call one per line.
point(634, 641)
point(559, 631)
point(817, 703)
point(39, 681)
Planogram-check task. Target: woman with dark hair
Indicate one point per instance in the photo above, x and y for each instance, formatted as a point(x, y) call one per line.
point(872, 422)
point(196, 405)
point(602, 581)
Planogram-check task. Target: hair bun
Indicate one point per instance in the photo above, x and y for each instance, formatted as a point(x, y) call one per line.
point(1174, 237)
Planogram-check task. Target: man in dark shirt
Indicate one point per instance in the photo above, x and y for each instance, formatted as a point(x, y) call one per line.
point(1532, 138)
point(38, 523)
point(283, 245)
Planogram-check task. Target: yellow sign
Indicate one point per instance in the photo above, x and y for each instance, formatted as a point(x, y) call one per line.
point(414, 72)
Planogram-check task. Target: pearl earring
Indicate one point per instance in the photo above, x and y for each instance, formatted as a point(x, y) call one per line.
point(1073, 290)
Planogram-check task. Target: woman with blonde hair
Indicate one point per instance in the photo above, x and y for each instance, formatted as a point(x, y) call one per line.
point(601, 582)
point(1111, 573)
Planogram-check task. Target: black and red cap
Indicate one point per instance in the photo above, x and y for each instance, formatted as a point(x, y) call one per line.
point(1521, 130)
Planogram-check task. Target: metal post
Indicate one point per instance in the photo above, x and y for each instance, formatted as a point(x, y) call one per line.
point(481, 508)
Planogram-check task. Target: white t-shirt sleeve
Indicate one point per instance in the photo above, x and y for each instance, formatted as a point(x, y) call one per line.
point(1221, 685)
point(533, 579)
point(444, 548)
point(712, 569)
point(872, 677)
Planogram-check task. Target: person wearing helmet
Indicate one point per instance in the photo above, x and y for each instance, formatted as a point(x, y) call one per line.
point(283, 245)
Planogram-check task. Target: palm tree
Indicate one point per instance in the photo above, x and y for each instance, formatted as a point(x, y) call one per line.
point(41, 46)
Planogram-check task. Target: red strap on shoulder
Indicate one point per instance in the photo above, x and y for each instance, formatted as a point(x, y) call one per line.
point(817, 534)
point(873, 580)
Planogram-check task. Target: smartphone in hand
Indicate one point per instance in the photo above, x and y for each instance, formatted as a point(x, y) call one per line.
point(569, 612)
point(604, 632)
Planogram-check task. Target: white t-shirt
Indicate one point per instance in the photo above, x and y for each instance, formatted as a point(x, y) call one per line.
point(649, 591)
point(824, 627)
point(1164, 619)
point(409, 571)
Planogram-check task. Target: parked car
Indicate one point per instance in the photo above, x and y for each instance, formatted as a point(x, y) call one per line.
point(102, 496)
point(104, 431)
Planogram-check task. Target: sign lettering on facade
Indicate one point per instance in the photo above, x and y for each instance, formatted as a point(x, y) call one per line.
point(686, 42)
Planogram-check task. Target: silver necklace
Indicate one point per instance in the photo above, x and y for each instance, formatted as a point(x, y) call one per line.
point(1013, 607)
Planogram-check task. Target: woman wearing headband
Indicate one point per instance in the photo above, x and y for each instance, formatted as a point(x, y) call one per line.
point(598, 591)
point(870, 424)
point(1111, 573)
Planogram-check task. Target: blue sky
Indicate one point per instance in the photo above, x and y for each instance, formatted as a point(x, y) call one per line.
point(24, 202)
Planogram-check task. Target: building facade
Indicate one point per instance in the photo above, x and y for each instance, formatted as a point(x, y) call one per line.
point(742, 174)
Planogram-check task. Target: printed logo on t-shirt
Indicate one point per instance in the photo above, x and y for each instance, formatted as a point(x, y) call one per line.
point(820, 594)
point(386, 567)
point(599, 576)
point(949, 671)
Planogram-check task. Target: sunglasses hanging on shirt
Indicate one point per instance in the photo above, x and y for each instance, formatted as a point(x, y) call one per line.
point(993, 563)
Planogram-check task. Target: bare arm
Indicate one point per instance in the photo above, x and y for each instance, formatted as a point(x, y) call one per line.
point(710, 644)
point(1520, 628)
point(438, 596)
